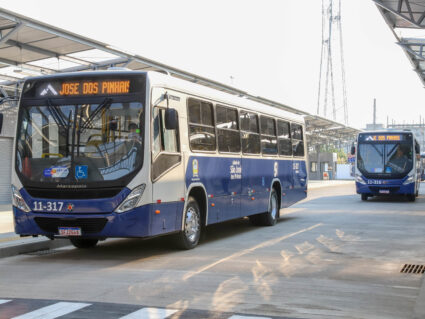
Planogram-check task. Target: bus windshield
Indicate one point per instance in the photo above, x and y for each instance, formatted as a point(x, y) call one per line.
point(79, 142)
point(390, 159)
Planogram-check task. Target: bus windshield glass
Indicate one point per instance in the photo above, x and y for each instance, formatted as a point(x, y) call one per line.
point(79, 143)
point(387, 159)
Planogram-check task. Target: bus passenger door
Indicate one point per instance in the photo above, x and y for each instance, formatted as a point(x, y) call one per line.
point(167, 168)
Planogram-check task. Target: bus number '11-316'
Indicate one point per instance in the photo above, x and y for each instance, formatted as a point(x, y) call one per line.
point(48, 206)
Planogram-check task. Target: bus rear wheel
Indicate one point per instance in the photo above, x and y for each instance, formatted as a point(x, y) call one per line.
point(268, 218)
point(84, 243)
point(188, 238)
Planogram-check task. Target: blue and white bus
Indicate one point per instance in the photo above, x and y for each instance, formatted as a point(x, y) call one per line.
point(142, 154)
point(388, 163)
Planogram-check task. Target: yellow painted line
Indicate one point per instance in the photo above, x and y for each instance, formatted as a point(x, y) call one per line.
point(4, 240)
point(268, 243)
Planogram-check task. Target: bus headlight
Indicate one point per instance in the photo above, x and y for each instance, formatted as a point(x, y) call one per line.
point(18, 201)
point(131, 200)
point(410, 178)
point(359, 179)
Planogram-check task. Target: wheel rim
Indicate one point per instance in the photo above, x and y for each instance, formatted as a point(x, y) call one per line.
point(273, 206)
point(191, 224)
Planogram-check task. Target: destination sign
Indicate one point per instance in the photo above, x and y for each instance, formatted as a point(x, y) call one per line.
point(98, 87)
point(382, 137)
point(84, 88)
point(89, 86)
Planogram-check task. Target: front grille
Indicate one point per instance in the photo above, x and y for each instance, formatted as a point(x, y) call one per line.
point(86, 193)
point(87, 225)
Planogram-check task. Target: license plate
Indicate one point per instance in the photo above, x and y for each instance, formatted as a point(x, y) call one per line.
point(69, 231)
point(384, 191)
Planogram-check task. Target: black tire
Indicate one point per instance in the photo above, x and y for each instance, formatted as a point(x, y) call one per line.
point(364, 197)
point(268, 218)
point(417, 193)
point(411, 197)
point(84, 243)
point(255, 219)
point(188, 238)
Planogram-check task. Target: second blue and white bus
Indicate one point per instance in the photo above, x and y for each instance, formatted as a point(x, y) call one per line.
point(142, 154)
point(388, 163)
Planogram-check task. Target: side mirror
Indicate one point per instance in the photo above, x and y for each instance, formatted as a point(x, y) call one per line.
point(417, 147)
point(171, 119)
point(1, 121)
point(353, 150)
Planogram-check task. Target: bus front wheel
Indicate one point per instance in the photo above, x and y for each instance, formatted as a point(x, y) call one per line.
point(364, 197)
point(188, 238)
point(411, 197)
point(84, 243)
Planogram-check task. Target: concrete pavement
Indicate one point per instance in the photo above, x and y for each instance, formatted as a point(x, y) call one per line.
point(330, 256)
point(340, 264)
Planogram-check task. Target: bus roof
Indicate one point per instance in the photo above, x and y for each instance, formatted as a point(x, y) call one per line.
point(168, 81)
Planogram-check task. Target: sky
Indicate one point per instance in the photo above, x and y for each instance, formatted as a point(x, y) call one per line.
point(269, 48)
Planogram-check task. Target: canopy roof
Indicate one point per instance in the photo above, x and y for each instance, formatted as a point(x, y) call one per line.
point(407, 17)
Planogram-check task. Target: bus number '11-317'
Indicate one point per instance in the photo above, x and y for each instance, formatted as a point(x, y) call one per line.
point(48, 206)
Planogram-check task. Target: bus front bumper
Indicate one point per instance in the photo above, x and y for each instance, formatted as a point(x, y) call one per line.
point(143, 221)
point(396, 187)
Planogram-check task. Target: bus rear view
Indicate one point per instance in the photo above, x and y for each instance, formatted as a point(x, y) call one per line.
point(387, 163)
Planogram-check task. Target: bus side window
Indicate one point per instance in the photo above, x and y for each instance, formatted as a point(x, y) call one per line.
point(268, 136)
point(250, 133)
point(228, 130)
point(201, 126)
point(297, 140)
point(284, 137)
point(166, 146)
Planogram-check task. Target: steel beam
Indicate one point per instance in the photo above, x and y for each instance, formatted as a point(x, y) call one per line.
point(398, 12)
point(7, 36)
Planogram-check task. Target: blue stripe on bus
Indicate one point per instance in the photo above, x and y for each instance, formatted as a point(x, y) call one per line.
point(241, 186)
point(238, 186)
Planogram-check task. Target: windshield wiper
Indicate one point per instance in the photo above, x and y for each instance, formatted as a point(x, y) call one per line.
point(57, 117)
point(105, 104)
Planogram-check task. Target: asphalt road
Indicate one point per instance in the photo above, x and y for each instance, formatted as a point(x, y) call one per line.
point(330, 256)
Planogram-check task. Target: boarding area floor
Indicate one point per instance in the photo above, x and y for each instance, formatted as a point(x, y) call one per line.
point(329, 256)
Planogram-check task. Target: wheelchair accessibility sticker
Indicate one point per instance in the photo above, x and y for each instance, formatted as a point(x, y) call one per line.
point(81, 171)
